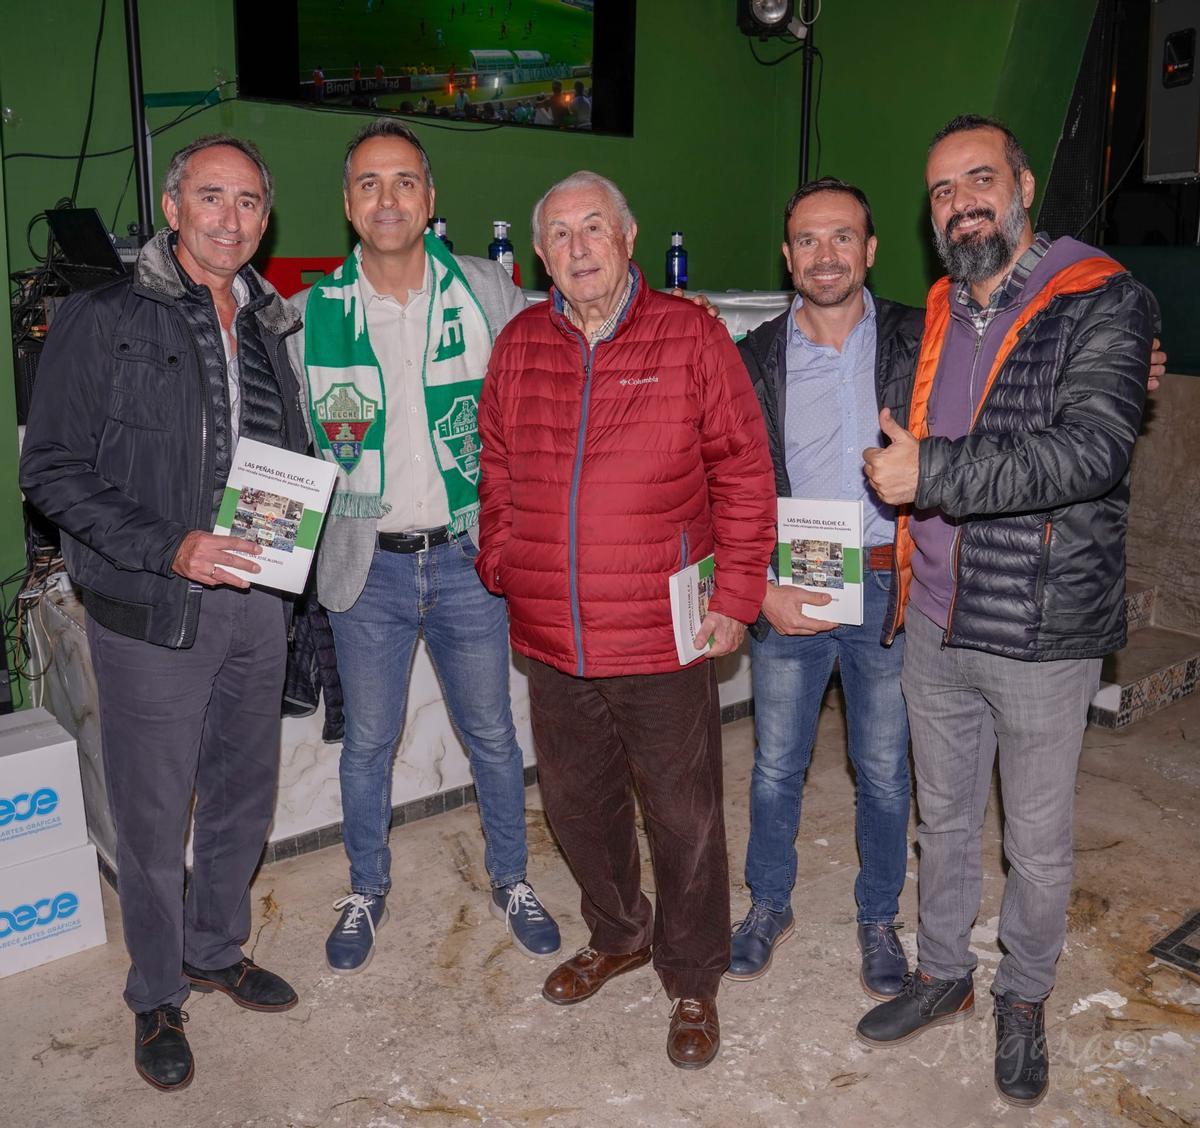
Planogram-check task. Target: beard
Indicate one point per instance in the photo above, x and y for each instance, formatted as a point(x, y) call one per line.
point(980, 257)
point(827, 295)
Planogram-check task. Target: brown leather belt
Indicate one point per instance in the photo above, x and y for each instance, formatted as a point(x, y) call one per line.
point(413, 542)
point(880, 557)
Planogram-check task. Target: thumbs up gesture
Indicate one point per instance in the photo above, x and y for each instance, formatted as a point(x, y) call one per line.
point(892, 470)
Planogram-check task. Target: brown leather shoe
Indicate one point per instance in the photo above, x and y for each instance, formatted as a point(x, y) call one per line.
point(695, 1034)
point(586, 972)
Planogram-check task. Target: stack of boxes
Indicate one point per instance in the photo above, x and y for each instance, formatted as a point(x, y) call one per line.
point(49, 883)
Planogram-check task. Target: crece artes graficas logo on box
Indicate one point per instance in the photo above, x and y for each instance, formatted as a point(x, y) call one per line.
point(47, 910)
point(27, 805)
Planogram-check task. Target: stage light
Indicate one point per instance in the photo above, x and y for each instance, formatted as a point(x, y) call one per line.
point(765, 18)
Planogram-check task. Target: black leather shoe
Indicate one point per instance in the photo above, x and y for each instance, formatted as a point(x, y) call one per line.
point(1022, 1061)
point(247, 984)
point(884, 965)
point(161, 1053)
point(923, 1002)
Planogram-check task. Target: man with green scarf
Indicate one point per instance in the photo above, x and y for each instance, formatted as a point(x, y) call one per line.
point(395, 345)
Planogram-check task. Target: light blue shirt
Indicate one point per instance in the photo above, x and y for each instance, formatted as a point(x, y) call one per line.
point(831, 416)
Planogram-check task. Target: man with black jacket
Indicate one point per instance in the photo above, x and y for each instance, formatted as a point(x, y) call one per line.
point(1014, 457)
point(143, 390)
point(822, 371)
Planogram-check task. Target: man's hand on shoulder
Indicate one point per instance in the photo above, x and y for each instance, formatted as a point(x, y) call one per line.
point(701, 301)
point(1158, 365)
point(726, 634)
point(893, 470)
point(211, 560)
point(784, 606)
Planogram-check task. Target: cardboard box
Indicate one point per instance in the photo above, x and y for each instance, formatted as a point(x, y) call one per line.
point(49, 907)
point(41, 800)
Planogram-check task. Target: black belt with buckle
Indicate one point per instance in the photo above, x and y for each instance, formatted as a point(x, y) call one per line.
point(413, 542)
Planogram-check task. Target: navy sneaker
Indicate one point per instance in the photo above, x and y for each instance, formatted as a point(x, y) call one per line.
point(884, 964)
point(755, 939)
point(532, 928)
point(351, 944)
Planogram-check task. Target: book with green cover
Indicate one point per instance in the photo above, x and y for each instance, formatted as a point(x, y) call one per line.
point(691, 588)
point(821, 549)
point(277, 499)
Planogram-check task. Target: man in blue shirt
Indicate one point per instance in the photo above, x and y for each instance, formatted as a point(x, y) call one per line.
point(823, 371)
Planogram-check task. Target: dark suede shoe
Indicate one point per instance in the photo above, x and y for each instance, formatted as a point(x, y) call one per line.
point(754, 940)
point(923, 1002)
point(586, 972)
point(884, 965)
point(161, 1053)
point(694, 1036)
point(247, 984)
point(1022, 1061)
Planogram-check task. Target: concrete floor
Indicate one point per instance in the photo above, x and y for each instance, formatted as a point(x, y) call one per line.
point(447, 1026)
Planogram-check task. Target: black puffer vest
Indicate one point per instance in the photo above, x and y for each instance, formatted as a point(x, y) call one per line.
point(262, 416)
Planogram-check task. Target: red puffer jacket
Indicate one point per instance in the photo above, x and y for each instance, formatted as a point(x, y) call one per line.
point(605, 471)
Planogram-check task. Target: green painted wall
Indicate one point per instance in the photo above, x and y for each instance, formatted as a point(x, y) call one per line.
point(897, 72)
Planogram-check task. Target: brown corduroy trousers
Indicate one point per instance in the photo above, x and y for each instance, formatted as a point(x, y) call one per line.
point(599, 739)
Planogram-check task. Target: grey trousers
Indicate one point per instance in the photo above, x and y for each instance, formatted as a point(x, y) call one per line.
point(963, 705)
point(174, 723)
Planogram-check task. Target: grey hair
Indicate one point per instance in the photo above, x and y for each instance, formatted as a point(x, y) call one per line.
point(177, 169)
point(585, 179)
point(385, 127)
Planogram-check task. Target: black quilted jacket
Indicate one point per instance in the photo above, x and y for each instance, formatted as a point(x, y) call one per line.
point(127, 445)
point(1040, 486)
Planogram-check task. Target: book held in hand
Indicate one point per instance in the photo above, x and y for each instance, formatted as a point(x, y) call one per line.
point(691, 589)
point(276, 499)
point(821, 549)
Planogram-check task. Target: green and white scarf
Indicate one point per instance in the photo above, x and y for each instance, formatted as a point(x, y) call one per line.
point(347, 396)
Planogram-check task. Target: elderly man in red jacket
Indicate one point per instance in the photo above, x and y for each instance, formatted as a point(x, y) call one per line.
point(622, 442)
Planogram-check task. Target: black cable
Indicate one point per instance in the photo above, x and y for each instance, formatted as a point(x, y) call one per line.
point(817, 111)
point(87, 125)
point(121, 198)
point(416, 119)
point(1116, 184)
point(29, 233)
point(181, 117)
point(773, 62)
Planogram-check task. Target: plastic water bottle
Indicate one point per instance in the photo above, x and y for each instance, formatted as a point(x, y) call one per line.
point(500, 249)
point(677, 272)
point(439, 229)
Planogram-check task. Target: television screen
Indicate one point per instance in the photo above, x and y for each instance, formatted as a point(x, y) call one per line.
point(558, 64)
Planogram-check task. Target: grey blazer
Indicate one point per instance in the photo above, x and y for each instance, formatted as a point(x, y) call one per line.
point(348, 543)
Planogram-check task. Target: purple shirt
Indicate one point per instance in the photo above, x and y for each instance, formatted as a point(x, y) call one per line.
point(972, 341)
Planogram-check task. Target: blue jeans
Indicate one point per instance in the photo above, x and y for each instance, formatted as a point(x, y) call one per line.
point(438, 595)
point(789, 675)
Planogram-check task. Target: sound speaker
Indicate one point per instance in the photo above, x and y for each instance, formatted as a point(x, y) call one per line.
point(1173, 98)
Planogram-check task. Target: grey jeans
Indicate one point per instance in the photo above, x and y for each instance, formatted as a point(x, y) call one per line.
point(176, 722)
point(963, 705)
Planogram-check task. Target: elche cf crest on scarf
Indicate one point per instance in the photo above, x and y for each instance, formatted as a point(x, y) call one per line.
point(346, 415)
point(458, 432)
